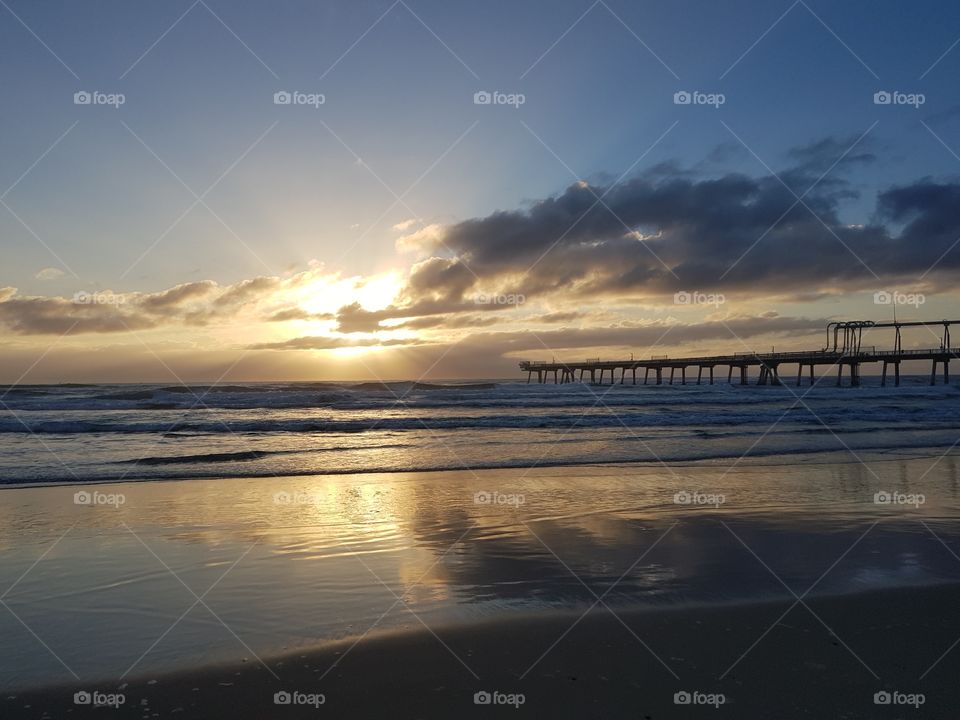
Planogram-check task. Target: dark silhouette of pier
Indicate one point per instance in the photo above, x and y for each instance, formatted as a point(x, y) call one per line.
point(844, 349)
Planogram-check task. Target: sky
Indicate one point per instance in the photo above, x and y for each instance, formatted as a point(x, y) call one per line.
point(455, 186)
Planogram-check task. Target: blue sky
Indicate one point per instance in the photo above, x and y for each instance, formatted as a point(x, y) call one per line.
point(398, 80)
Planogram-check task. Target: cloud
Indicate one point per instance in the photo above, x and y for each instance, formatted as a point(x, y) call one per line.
point(329, 342)
point(426, 237)
point(559, 317)
point(406, 224)
point(176, 297)
point(49, 273)
point(654, 236)
point(496, 354)
point(297, 313)
point(448, 322)
point(588, 261)
point(188, 304)
point(59, 316)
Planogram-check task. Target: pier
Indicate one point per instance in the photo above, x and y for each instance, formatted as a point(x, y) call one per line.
point(844, 350)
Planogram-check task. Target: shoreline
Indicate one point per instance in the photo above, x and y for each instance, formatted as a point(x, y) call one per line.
point(706, 463)
point(598, 669)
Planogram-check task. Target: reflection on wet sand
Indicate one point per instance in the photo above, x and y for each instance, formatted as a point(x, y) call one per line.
point(297, 561)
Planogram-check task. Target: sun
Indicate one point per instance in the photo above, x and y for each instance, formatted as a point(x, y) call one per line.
point(330, 293)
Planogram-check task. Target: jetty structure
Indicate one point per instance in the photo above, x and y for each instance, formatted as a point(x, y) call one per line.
point(844, 349)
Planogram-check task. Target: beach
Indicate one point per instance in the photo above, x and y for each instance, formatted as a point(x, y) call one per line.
point(608, 666)
point(410, 592)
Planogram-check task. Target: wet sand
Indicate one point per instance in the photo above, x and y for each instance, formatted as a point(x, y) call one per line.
point(602, 668)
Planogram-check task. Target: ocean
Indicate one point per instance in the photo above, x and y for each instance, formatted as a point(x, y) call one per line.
point(88, 433)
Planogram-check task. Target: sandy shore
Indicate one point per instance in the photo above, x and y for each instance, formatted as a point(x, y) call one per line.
point(600, 669)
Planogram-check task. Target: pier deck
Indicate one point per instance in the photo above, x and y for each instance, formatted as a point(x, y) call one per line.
point(847, 352)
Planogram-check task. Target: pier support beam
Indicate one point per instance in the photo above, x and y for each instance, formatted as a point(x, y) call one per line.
point(768, 375)
point(699, 374)
point(673, 370)
point(743, 374)
point(896, 373)
point(659, 376)
point(946, 371)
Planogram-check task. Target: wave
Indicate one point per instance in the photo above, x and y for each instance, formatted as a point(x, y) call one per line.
point(817, 424)
point(203, 458)
point(392, 387)
point(309, 428)
point(477, 396)
point(788, 456)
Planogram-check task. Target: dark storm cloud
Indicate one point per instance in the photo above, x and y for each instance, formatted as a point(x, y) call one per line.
point(667, 231)
point(830, 152)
